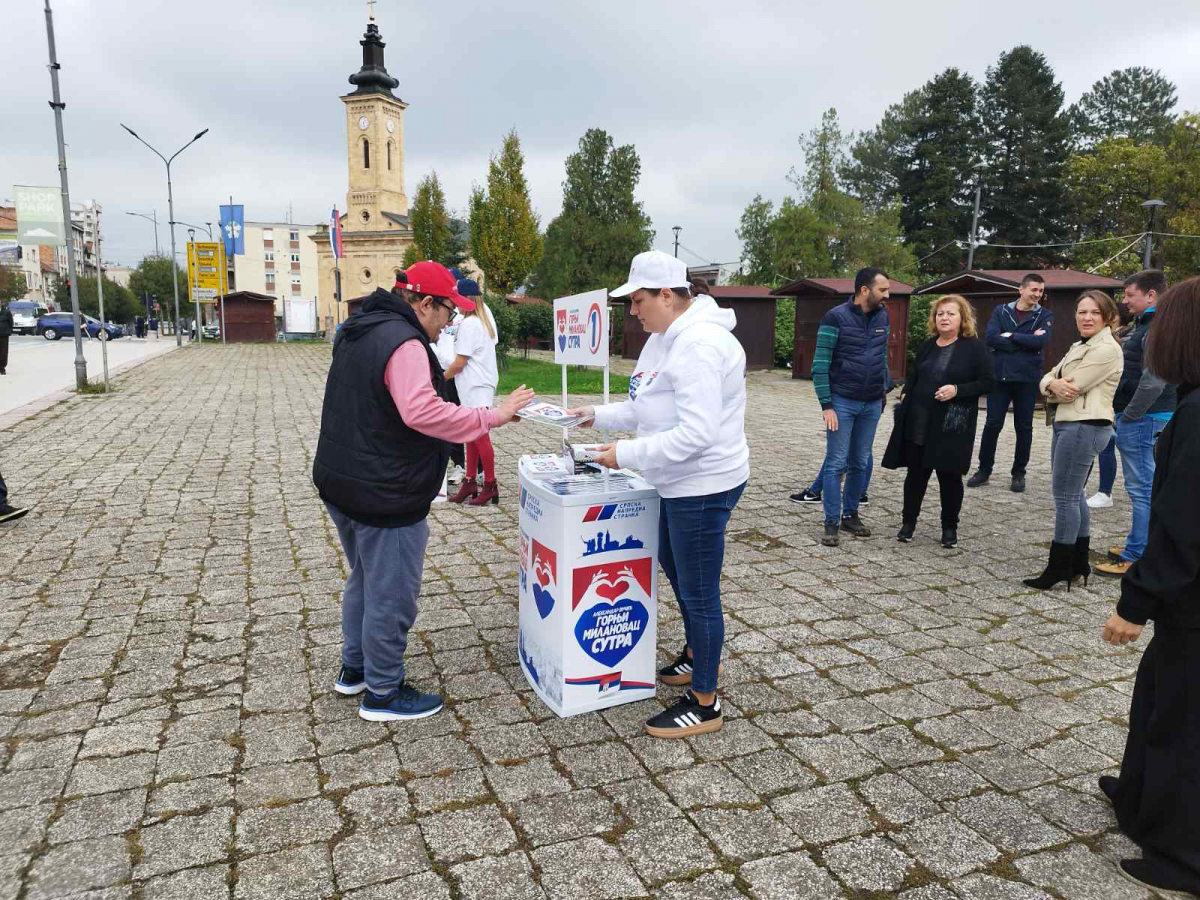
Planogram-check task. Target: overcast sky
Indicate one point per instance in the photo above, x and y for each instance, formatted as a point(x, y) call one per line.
point(713, 94)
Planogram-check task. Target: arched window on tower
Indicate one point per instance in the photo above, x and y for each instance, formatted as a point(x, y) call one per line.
point(389, 154)
point(366, 154)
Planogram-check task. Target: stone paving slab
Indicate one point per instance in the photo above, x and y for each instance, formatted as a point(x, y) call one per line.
point(903, 721)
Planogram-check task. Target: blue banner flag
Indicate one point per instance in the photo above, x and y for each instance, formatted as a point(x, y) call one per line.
point(233, 226)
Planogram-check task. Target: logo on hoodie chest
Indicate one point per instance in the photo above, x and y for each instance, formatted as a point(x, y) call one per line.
point(639, 381)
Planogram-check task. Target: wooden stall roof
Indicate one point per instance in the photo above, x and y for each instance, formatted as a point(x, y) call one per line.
point(813, 287)
point(991, 281)
point(249, 295)
point(740, 292)
point(523, 300)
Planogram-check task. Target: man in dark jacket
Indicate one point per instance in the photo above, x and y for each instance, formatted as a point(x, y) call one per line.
point(6, 330)
point(386, 431)
point(1017, 333)
point(1144, 404)
point(851, 378)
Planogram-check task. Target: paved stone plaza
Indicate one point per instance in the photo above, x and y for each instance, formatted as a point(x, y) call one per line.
point(902, 720)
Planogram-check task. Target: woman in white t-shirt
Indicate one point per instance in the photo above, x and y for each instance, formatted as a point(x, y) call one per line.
point(474, 372)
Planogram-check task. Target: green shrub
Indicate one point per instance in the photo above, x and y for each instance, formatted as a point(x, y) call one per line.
point(535, 321)
point(785, 330)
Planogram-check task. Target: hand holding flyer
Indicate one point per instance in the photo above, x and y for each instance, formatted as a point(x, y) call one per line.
point(549, 414)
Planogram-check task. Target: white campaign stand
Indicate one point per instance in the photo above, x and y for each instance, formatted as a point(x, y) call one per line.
point(588, 572)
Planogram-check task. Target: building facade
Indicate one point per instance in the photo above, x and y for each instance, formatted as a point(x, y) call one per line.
point(375, 226)
point(280, 261)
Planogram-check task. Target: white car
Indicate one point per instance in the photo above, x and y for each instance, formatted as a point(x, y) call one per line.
point(25, 315)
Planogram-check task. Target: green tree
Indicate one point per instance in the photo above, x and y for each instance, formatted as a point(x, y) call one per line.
point(430, 222)
point(1128, 103)
point(152, 278)
point(505, 240)
point(602, 225)
point(12, 284)
point(875, 161)
point(1108, 185)
point(535, 321)
point(1025, 133)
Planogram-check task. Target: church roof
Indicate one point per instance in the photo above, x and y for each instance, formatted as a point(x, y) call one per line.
point(373, 77)
point(398, 219)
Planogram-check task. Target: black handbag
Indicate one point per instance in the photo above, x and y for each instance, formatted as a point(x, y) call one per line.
point(957, 419)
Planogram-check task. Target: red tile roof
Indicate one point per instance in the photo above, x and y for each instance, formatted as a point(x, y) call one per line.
point(834, 287)
point(1056, 279)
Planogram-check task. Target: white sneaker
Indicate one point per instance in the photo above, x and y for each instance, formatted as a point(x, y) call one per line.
point(1099, 500)
point(456, 475)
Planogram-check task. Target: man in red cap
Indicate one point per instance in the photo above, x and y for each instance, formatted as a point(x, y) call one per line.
point(386, 433)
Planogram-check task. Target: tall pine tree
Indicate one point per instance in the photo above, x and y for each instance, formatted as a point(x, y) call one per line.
point(1128, 103)
point(1026, 134)
point(602, 225)
point(505, 240)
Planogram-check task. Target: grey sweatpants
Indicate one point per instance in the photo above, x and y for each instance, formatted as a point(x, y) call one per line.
point(379, 602)
point(1072, 449)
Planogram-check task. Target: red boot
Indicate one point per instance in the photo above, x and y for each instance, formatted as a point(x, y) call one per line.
point(491, 491)
point(468, 489)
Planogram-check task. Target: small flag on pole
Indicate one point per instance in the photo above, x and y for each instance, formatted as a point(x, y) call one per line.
point(233, 226)
point(335, 233)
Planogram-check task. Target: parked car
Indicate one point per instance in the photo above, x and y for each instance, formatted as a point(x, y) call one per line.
point(53, 326)
point(212, 332)
point(26, 314)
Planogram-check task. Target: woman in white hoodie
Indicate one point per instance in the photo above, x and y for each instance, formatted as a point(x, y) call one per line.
point(688, 405)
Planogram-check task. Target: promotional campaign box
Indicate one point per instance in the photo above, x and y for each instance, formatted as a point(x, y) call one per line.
point(588, 588)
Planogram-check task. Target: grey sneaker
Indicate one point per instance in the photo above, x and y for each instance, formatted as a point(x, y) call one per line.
point(978, 478)
point(831, 538)
point(853, 524)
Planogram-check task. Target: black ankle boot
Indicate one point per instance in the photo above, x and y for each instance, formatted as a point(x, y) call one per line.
point(1057, 569)
point(1081, 562)
point(905, 534)
point(949, 537)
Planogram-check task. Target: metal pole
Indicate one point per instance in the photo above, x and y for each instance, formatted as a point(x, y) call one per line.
point(194, 257)
point(57, 105)
point(157, 249)
point(225, 272)
point(103, 335)
point(677, 229)
point(974, 225)
point(174, 266)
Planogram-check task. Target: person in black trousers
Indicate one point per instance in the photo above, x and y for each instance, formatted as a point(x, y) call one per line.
point(8, 513)
point(1017, 334)
point(1157, 797)
point(6, 330)
point(936, 418)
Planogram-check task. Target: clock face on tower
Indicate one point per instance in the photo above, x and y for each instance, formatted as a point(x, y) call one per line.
point(363, 122)
point(391, 126)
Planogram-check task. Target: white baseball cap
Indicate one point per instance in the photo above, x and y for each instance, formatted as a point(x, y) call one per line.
point(653, 269)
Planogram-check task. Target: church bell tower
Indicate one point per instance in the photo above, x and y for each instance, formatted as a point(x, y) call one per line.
point(374, 142)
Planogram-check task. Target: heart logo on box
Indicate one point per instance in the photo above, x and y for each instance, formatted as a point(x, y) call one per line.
point(611, 592)
point(607, 632)
point(544, 600)
point(562, 342)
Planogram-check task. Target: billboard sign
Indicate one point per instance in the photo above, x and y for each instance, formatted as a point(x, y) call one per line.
point(581, 329)
point(299, 316)
point(39, 215)
point(207, 277)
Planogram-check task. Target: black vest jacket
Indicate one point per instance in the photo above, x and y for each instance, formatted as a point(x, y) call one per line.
point(369, 463)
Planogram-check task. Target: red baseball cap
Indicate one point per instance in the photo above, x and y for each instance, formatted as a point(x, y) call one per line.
point(434, 279)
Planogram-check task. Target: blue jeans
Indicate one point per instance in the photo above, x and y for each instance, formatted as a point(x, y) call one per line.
point(1023, 397)
point(379, 602)
point(818, 484)
point(1108, 467)
point(692, 530)
point(1073, 449)
point(847, 452)
point(1135, 441)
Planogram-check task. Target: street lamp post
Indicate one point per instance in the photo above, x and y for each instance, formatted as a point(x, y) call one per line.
point(153, 217)
point(72, 281)
point(975, 242)
point(1152, 206)
point(677, 229)
point(171, 215)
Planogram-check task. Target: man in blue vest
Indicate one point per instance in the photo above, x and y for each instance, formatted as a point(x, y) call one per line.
point(851, 378)
point(1017, 334)
point(1144, 404)
point(386, 432)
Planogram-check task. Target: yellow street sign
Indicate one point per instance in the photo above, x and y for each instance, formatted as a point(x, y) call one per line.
point(207, 274)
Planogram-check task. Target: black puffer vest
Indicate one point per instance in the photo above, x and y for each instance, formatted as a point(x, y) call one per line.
point(369, 463)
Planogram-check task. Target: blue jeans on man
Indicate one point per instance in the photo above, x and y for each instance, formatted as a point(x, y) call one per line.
point(1135, 443)
point(379, 602)
point(847, 452)
point(1022, 395)
point(692, 530)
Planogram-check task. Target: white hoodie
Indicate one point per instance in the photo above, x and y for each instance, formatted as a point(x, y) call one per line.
point(688, 404)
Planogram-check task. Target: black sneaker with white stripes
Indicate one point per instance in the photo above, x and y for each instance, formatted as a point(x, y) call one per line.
point(678, 672)
point(686, 718)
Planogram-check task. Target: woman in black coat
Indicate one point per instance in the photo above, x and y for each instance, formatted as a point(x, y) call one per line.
point(1157, 797)
point(936, 418)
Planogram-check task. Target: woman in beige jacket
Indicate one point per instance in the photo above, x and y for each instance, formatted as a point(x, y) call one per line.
point(1079, 391)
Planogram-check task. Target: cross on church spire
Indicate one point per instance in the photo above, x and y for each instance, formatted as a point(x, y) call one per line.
point(370, 10)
